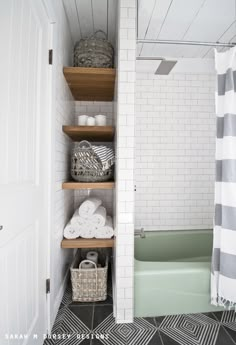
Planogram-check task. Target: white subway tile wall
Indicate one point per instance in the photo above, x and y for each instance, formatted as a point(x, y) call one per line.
point(174, 151)
point(94, 108)
point(124, 204)
point(63, 200)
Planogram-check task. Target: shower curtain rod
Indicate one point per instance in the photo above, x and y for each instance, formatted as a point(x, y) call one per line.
point(189, 43)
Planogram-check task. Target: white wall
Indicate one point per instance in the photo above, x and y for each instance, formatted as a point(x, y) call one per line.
point(174, 150)
point(63, 201)
point(124, 195)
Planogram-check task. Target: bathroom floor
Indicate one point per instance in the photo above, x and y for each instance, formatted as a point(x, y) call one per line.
point(94, 324)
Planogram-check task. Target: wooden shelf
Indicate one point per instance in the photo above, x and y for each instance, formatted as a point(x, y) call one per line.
point(91, 133)
point(88, 185)
point(87, 243)
point(91, 84)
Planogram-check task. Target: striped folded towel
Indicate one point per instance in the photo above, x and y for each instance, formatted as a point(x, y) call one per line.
point(105, 155)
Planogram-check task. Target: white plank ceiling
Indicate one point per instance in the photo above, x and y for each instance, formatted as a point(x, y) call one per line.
point(190, 20)
point(87, 16)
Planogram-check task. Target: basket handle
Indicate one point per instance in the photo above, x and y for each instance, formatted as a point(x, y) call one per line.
point(89, 261)
point(95, 266)
point(97, 31)
point(84, 144)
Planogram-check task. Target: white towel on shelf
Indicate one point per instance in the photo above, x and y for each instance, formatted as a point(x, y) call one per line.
point(71, 231)
point(105, 231)
point(89, 206)
point(99, 217)
point(88, 230)
point(78, 220)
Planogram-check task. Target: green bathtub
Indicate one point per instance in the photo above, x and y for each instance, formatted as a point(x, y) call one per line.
point(172, 273)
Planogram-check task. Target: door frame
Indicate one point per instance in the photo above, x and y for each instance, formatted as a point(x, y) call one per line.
point(50, 158)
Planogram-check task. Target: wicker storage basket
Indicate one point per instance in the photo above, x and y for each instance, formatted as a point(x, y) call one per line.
point(94, 52)
point(85, 166)
point(88, 285)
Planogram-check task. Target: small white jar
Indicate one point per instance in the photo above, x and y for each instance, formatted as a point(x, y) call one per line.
point(82, 120)
point(90, 121)
point(101, 120)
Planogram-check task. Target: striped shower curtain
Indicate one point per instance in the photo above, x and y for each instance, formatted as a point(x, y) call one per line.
point(223, 277)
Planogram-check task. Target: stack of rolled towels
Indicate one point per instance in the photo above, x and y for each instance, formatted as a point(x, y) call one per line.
point(90, 220)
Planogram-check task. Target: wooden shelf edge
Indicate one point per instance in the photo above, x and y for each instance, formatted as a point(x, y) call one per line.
point(99, 133)
point(88, 185)
point(87, 243)
point(89, 70)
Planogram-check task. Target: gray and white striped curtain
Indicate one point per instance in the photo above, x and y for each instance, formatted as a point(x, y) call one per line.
point(223, 277)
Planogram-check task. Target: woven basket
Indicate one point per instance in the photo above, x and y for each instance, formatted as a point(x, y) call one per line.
point(94, 52)
point(88, 285)
point(85, 166)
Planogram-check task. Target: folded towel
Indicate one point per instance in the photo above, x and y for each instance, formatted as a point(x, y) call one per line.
point(71, 231)
point(88, 207)
point(105, 155)
point(105, 231)
point(88, 230)
point(99, 217)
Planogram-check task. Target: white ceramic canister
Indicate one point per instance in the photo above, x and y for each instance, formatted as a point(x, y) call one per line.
point(82, 120)
point(90, 121)
point(101, 120)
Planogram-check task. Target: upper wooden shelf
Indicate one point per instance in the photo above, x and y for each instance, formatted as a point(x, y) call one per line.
point(88, 243)
point(91, 133)
point(91, 84)
point(88, 185)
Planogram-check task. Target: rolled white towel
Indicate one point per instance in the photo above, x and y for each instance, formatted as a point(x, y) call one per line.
point(88, 230)
point(71, 231)
point(77, 220)
point(99, 217)
point(105, 231)
point(89, 206)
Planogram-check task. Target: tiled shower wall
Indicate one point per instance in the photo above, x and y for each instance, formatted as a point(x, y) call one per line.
point(91, 109)
point(174, 151)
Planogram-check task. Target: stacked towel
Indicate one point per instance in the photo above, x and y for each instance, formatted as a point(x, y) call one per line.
point(72, 231)
point(90, 220)
point(105, 231)
point(99, 217)
point(88, 207)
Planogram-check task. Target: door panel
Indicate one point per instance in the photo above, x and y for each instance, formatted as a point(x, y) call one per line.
point(24, 158)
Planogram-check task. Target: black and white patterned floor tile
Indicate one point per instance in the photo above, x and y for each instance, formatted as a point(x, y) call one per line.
point(192, 329)
point(67, 298)
point(68, 326)
point(228, 319)
point(138, 332)
point(94, 324)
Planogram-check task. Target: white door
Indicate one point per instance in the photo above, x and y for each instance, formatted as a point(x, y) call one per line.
point(24, 160)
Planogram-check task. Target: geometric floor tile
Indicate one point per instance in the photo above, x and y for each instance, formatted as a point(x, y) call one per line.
point(228, 319)
point(69, 325)
point(67, 298)
point(190, 329)
point(138, 332)
point(224, 338)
